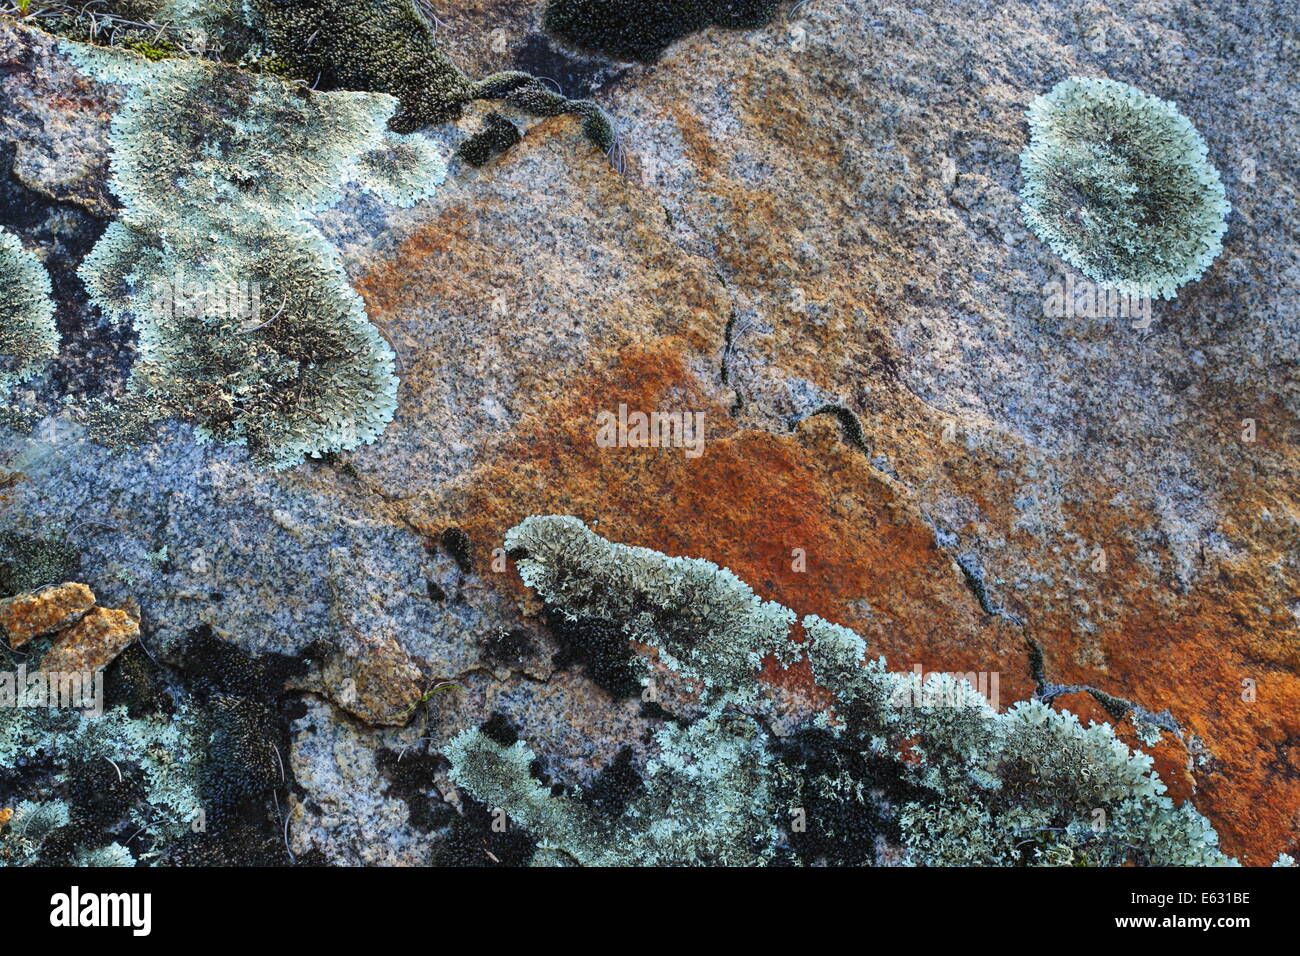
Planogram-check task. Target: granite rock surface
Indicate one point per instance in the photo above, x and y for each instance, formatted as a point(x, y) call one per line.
point(817, 246)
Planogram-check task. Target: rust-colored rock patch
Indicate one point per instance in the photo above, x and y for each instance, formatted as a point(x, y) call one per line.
point(37, 613)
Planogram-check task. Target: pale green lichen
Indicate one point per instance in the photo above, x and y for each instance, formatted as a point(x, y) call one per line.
point(1037, 780)
point(1118, 183)
point(704, 621)
point(112, 855)
point(705, 801)
point(28, 336)
point(247, 324)
point(403, 170)
point(32, 823)
point(926, 773)
point(166, 749)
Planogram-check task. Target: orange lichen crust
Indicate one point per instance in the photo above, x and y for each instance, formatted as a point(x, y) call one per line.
point(92, 643)
point(27, 616)
point(803, 518)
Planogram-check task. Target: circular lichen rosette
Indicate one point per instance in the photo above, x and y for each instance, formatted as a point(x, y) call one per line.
point(1117, 182)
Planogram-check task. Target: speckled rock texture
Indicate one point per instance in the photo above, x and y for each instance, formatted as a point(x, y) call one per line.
point(34, 614)
point(86, 638)
point(817, 244)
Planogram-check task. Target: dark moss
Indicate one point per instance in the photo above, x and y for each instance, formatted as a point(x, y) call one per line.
point(974, 577)
point(600, 648)
point(501, 728)
point(653, 710)
point(641, 30)
point(28, 562)
point(382, 46)
point(100, 794)
point(508, 649)
point(247, 716)
point(241, 763)
point(617, 785)
point(100, 791)
point(1116, 707)
point(137, 683)
point(386, 46)
point(1036, 668)
point(496, 136)
point(410, 777)
point(457, 544)
point(534, 97)
point(151, 27)
point(243, 843)
point(472, 841)
point(575, 76)
point(215, 665)
point(241, 734)
point(850, 425)
point(842, 793)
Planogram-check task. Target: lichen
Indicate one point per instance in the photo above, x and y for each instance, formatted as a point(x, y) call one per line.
point(1117, 182)
point(28, 336)
point(115, 771)
point(706, 799)
point(247, 324)
point(640, 30)
point(112, 855)
point(178, 770)
point(703, 621)
point(923, 772)
point(403, 170)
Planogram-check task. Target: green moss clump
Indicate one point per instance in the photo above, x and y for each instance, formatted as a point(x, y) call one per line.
point(386, 46)
point(383, 46)
point(1118, 183)
point(497, 135)
point(640, 30)
point(157, 29)
point(28, 336)
point(154, 51)
point(923, 772)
